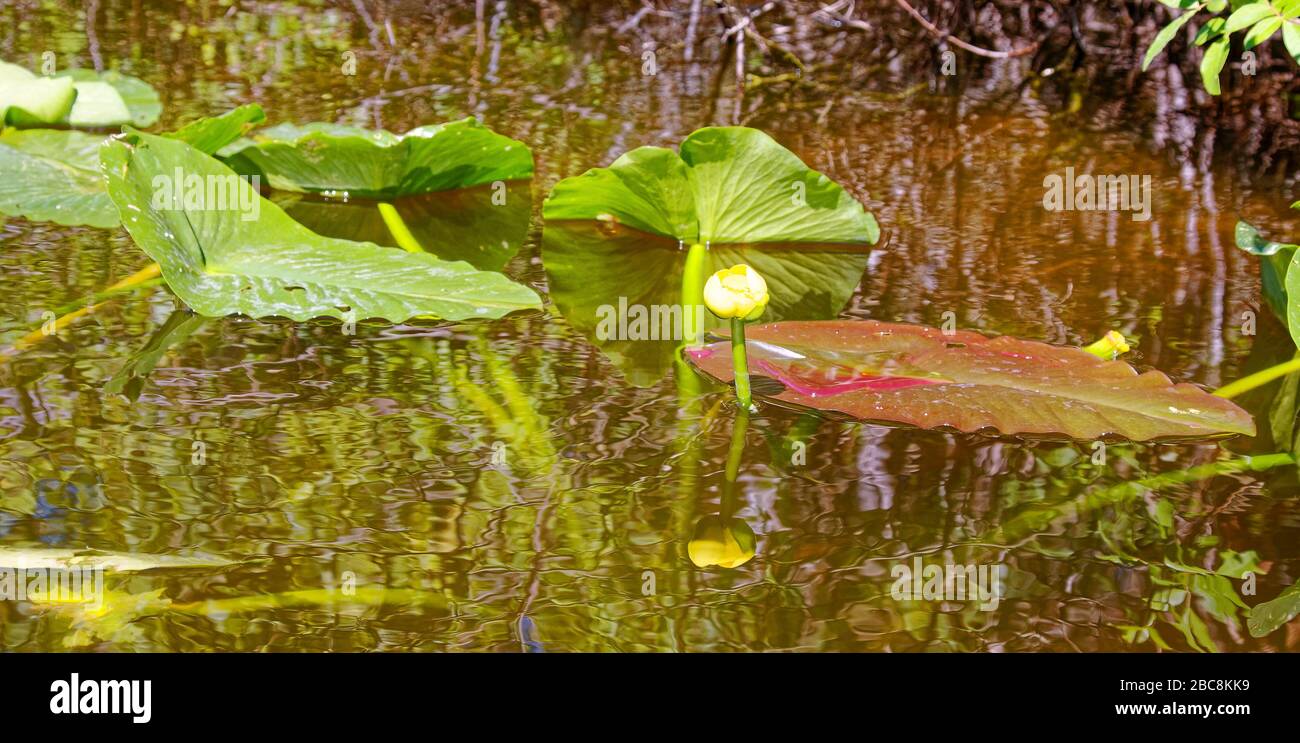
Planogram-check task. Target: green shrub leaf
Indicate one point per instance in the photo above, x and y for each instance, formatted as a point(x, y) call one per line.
point(1248, 15)
point(1261, 31)
point(1212, 63)
point(1163, 38)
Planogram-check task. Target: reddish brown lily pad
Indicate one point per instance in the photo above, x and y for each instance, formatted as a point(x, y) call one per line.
point(965, 381)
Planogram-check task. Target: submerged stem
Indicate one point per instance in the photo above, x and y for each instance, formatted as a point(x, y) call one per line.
point(1259, 378)
point(401, 233)
point(735, 453)
point(740, 362)
point(144, 277)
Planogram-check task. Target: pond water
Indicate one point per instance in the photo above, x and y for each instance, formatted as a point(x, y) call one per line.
point(515, 485)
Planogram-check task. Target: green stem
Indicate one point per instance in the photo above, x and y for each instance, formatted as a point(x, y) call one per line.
point(401, 234)
point(1259, 378)
point(108, 294)
point(693, 279)
point(740, 363)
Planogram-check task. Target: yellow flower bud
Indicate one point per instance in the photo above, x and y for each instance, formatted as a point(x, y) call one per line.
point(728, 545)
point(736, 292)
point(1111, 345)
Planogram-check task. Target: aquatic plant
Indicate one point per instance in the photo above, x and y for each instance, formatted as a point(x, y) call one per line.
point(738, 294)
point(725, 185)
point(729, 195)
point(629, 293)
point(60, 182)
point(1269, 615)
point(219, 262)
point(274, 266)
point(54, 175)
point(966, 381)
point(483, 225)
point(79, 98)
point(375, 164)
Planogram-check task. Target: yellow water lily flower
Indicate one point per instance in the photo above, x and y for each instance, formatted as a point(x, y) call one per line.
point(1110, 346)
point(736, 292)
point(727, 544)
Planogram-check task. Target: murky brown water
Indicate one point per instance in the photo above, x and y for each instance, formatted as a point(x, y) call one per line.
point(327, 456)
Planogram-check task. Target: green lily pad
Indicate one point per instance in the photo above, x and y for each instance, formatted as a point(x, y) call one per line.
point(482, 226)
point(251, 258)
point(727, 185)
point(346, 160)
point(53, 175)
point(968, 382)
point(618, 286)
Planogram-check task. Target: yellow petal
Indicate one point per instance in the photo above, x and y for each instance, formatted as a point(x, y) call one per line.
point(719, 301)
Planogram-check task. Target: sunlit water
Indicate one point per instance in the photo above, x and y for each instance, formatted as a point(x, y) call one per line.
point(508, 485)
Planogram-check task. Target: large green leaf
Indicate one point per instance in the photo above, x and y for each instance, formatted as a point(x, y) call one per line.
point(82, 98)
point(616, 286)
point(223, 261)
point(465, 224)
point(28, 100)
point(54, 175)
point(728, 185)
point(335, 159)
point(112, 99)
point(1274, 274)
point(968, 382)
point(211, 133)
